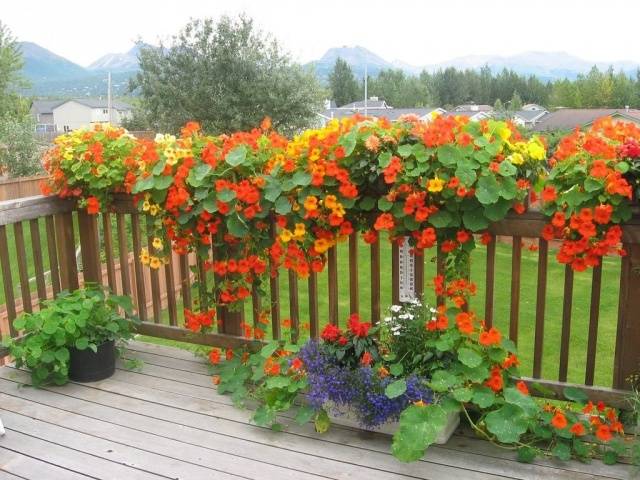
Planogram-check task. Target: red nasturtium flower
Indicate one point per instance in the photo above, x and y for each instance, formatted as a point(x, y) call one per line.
point(578, 429)
point(366, 359)
point(559, 421)
point(93, 206)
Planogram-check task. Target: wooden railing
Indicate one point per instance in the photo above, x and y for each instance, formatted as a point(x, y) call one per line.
point(112, 239)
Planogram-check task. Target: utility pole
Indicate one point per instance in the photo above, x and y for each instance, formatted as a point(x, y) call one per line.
point(365, 89)
point(109, 96)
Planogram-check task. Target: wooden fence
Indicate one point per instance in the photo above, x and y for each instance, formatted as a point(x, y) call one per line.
point(63, 225)
point(20, 187)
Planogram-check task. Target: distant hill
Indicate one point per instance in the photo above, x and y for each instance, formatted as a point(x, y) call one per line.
point(42, 65)
point(545, 65)
point(52, 75)
point(356, 57)
point(120, 62)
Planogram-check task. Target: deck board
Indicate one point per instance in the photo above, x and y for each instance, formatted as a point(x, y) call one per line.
point(167, 421)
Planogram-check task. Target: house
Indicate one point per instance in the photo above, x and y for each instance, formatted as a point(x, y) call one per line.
point(570, 118)
point(474, 115)
point(77, 113)
point(532, 107)
point(370, 104)
point(376, 108)
point(528, 118)
point(472, 107)
point(42, 112)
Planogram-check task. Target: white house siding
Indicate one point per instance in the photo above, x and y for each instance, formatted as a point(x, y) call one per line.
point(72, 115)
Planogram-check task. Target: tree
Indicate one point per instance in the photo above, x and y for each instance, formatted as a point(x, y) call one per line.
point(516, 102)
point(11, 63)
point(226, 75)
point(19, 150)
point(343, 84)
point(399, 89)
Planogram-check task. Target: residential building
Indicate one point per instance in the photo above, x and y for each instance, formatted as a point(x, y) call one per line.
point(376, 108)
point(472, 107)
point(77, 113)
point(529, 118)
point(532, 107)
point(570, 118)
point(42, 112)
point(474, 115)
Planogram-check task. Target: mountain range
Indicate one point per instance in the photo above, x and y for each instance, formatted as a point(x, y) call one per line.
point(53, 75)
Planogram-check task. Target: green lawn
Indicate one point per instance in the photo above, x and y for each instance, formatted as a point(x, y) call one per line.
point(553, 318)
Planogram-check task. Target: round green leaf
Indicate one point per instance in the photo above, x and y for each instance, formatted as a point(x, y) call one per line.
point(469, 357)
point(507, 423)
point(395, 389)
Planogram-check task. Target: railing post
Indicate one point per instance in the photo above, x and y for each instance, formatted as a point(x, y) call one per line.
point(90, 247)
point(66, 251)
point(627, 357)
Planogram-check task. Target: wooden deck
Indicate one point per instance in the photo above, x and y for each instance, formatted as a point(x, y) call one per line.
point(167, 422)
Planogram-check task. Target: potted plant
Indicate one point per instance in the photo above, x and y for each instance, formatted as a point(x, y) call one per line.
point(72, 336)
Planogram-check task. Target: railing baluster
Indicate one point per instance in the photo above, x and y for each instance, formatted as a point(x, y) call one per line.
point(170, 288)
point(274, 287)
point(185, 282)
point(53, 254)
point(594, 313)
point(375, 282)
point(7, 281)
point(332, 261)
point(38, 263)
point(125, 273)
point(155, 278)
point(108, 251)
point(294, 310)
point(440, 256)
point(255, 305)
point(395, 272)
point(137, 267)
point(514, 312)
point(21, 258)
point(541, 294)
point(314, 327)
point(418, 269)
point(354, 291)
point(89, 248)
point(566, 323)
point(490, 282)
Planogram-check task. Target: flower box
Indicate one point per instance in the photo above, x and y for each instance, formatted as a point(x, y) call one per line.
point(347, 418)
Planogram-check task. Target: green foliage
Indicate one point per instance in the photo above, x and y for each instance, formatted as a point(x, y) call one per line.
point(343, 84)
point(226, 75)
point(11, 63)
point(19, 148)
point(84, 318)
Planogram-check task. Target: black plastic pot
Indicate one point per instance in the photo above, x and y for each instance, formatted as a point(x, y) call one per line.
point(89, 366)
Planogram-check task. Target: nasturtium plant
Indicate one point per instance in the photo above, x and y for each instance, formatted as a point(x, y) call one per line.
point(82, 319)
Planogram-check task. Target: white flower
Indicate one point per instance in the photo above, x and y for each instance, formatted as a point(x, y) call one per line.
point(395, 308)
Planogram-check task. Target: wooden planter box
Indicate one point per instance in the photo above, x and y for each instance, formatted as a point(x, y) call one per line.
point(347, 418)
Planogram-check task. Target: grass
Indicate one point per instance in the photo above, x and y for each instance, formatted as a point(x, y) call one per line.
point(526, 331)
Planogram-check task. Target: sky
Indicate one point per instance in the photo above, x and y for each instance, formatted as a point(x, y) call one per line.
point(416, 32)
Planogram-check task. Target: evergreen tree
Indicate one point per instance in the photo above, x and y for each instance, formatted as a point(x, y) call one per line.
point(516, 102)
point(343, 84)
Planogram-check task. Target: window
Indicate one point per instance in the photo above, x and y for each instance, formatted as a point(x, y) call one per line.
point(66, 128)
point(105, 111)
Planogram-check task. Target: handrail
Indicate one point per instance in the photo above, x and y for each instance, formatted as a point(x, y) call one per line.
point(28, 208)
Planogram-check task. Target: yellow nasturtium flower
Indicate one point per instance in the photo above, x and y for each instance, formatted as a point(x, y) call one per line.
point(157, 243)
point(535, 149)
point(516, 158)
point(311, 203)
point(144, 256)
point(299, 231)
point(321, 245)
point(286, 235)
point(155, 262)
point(505, 133)
point(435, 185)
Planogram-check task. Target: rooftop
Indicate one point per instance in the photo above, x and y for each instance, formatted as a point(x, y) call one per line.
point(570, 118)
